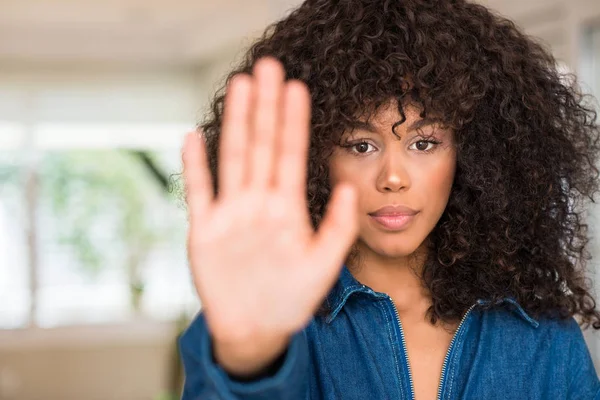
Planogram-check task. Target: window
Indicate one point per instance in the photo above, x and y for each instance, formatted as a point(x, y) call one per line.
point(14, 277)
point(88, 233)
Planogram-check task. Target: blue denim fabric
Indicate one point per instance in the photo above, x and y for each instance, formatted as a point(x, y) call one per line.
point(358, 352)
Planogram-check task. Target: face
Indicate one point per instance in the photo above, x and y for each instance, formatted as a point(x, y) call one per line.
point(416, 171)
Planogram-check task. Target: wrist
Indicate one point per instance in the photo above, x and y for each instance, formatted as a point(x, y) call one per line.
point(249, 358)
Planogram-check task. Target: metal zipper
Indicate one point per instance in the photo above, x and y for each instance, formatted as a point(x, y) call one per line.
point(443, 377)
point(444, 366)
point(403, 339)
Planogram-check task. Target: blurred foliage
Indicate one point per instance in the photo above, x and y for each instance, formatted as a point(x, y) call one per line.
point(10, 172)
point(105, 202)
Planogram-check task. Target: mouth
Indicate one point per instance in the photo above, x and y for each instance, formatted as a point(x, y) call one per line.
point(394, 210)
point(392, 222)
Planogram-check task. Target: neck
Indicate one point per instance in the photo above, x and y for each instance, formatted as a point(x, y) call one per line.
point(399, 277)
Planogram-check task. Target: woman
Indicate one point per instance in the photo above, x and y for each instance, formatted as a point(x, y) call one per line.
point(434, 246)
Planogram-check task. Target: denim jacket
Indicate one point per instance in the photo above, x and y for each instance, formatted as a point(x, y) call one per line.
point(359, 352)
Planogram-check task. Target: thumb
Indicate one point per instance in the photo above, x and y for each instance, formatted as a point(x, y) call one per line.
point(337, 232)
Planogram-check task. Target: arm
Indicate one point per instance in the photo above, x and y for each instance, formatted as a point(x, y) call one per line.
point(286, 378)
point(584, 379)
point(258, 265)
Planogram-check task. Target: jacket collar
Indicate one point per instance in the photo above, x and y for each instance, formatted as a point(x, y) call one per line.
point(346, 285)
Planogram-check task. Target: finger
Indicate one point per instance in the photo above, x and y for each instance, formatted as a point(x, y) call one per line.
point(266, 118)
point(337, 232)
point(198, 183)
point(234, 135)
point(291, 159)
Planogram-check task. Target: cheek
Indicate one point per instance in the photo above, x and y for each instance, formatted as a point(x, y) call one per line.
point(436, 182)
point(360, 174)
point(343, 169)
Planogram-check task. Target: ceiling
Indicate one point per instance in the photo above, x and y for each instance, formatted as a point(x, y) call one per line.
point(156, 31)
point(160, 31)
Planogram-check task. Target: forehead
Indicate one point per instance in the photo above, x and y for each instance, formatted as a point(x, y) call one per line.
point(388, 116)
point(389, 113)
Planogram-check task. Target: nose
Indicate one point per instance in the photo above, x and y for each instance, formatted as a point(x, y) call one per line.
point(393, 177)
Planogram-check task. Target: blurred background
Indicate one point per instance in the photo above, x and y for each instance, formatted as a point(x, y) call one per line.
point(95, 98)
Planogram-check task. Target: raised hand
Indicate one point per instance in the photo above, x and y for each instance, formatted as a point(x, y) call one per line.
point(259, 268)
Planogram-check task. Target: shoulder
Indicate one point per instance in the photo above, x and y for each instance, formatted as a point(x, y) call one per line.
point(509, 326)
point(509, 314)
point(556, 346)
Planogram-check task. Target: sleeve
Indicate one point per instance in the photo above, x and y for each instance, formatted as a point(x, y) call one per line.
point(206, 380)
point(584, 383)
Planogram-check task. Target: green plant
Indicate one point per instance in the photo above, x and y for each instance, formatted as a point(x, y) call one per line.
point(105, 203)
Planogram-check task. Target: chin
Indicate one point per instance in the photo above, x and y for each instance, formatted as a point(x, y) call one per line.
point(393, 246)
point(394, 253)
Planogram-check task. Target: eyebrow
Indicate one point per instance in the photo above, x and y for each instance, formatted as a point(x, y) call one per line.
point(412, 127)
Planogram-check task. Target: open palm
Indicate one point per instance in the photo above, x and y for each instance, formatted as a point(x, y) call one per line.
point(258, 266)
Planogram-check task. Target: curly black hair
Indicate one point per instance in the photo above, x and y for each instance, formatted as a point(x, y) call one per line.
point(527, 139)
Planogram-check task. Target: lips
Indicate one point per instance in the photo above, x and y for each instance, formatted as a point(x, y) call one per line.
point(394, 211)
point(393, 223)
point(393, 217)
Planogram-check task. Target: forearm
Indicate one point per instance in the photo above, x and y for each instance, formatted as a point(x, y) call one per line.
point(271, 377)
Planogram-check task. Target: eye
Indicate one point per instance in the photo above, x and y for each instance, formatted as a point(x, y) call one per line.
point(358, 148)
point(362, 147)
point(423, 145)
